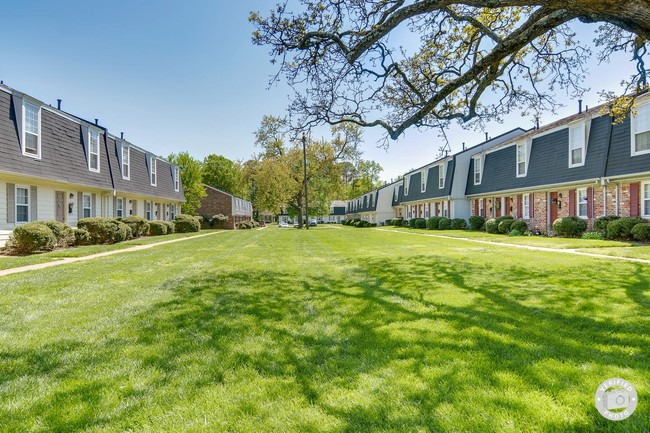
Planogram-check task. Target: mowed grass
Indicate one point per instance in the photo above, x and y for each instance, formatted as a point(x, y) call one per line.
point(348, 330)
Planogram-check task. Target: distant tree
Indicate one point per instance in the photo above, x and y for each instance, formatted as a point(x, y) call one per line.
point(476, 60)
point(222, 173)
point(191, 176)
point(365, 178)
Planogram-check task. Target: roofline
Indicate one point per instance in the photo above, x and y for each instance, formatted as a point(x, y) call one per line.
point(224, 192)
point(535, 188)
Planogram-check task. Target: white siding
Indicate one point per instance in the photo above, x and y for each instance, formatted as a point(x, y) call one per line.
point(3, 206)
point(45, 209)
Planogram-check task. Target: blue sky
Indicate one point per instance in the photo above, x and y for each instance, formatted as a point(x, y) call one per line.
point(184, 75)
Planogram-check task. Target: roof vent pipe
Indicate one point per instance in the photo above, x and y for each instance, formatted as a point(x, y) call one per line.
point(58, 104)
point(486, 136)
point(586, 108)
point(579, 106)
point(122, 135)
point(463, 145)
point(96, 121)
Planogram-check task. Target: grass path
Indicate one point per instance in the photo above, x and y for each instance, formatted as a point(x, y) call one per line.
point(323, 331)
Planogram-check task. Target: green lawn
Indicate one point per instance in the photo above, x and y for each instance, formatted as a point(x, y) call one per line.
point(347, 330)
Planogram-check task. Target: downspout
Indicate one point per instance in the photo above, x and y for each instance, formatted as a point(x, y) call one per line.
point(616, 200)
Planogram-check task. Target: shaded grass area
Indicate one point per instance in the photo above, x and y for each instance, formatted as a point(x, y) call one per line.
point(323, 331)
point(8, 262)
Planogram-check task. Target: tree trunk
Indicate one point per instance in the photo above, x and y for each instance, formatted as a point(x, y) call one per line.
point(300, 217)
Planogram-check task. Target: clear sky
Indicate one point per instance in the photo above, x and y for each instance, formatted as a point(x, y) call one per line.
point(184, 75)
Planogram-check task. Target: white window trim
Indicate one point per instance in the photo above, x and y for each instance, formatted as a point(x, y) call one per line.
point(583, 145)
point(478, 163)
point(578, 202)
point(407, 180)
point(643, 199)
point(423, 180)
point(177, 180)
point(29, 207)
point(128, 162)
point(481, 211)
point(90, 154)
point(633, 134)
point(119, 208)
point(525, 207)
point(524, 146)
point(442, 174)
point(24, 131)
point(153, 175)
point(83, 206)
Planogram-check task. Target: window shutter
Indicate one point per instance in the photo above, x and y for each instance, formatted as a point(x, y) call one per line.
point(115, 207)
point(80, 205)
point(93, 205)
point(572, 202)
point(476, 207)
point(531, 205)
point(33, 203)
point(11, 203)
point(590, 202)
point(634, 199)
point(520, 204)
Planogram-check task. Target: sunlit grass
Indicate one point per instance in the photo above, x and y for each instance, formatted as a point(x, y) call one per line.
point(323, 331)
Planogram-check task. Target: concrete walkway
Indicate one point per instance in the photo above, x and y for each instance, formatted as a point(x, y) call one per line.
point(67, 260)
point(527, 247)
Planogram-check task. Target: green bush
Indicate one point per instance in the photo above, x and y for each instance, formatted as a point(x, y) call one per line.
point(420, 223)
point(170, 227)
point(641, 232)
point(492, 226)
point(31, 237)
point(397, 222)
point(476, 223)
point(444, 224)
point(139, 226)
point(412, 222)
point(405, 223)
point(597, 236)
point(105, 230)
point(157, 228)
point(216, 221)
point(601, 223)
point(187, 223)
point(520, 225)
point(458, 224)
point(62, 232)
point(432, 223)
point(81, 237)
point(504, 225)
point(515, 232)
point(622, 227)
point(569, 227)
point(244, 225)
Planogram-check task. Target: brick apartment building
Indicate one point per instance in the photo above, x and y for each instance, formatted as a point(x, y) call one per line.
point(220, 202)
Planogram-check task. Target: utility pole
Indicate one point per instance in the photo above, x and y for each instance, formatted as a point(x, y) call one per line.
point(304, 166)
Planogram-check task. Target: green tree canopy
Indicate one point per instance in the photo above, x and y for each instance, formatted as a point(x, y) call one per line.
point(222, 173)
point(191, 177)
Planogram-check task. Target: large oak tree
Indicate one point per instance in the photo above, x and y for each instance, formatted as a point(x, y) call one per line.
point(473, 60)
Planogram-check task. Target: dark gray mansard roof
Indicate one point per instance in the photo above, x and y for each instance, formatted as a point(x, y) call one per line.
point(620, 161)
point(364, 206)
point(432, 190)
point(64, 154)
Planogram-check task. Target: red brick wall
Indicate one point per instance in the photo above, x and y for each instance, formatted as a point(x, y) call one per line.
point(217, 202)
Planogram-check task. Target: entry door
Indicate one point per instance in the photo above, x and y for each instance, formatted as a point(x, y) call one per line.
point(553, 204)
point(497, 207)
point(59, 199)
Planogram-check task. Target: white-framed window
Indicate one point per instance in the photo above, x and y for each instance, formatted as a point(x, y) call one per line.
point(153, 179)
point(407, 180)
point(426, 209)
point(126, 162)
point(147, 210)
point(641, 130)
point(22, 204)
point(93, 150)
point(445, 209)
point(645, 199)
point(177, 179)
point(577, 145)
point(478, 169)
point(423, 178)
point(522, 160)
point(441, 175)
point(119, 207)
point(481, 211)
point(31, 145)
point(582, 203)
point(87, 206)
point(525, 206)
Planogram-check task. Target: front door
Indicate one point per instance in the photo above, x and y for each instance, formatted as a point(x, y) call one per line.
point(497, 207)
point(59, 199)
point(553, 204)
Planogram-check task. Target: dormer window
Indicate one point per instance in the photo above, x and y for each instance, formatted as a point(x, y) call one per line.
point(577, 145)
point(641, 130)
point(126, 162)
point(441, 175)
point(423, 177)
point(406, 185)
point(478, 169)
point(177, 182)
point(152, 162)
point(31, 145)
point(522, 160)
point(370, 200)
point(93, 150)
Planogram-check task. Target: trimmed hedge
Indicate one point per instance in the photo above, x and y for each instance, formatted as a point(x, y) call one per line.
point(504, 226)
point(420, 223)
point(569, 227)
point(520, 225)
point(187, 223)
point(62, 232)
point(406, 223)
point(139, 226)
point(641, 232)
point(105, 230)
point(412, 222)
point(596, 236)
point(157, 228)
point(432, 223)
point(31, 237)
point(601, 223)
point(622, 227)
point(171, 228)
point(444, 224)
point(458, 224)
point(476, 223)
point(397, 222)
point(492, 226)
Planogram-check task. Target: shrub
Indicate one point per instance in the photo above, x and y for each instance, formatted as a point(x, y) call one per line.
point(81, 237)
point(641, 232)
point(569, 227)
point(412, 222)
point(187, 223)
point(458, 224)
point(31, 237)
point(598, 236)
point(170, 227)
point(405, 223)
point(105, 230)
point(492, 226)
point(157, 228)
point(622, 227)
point(601, 223)
point(139, 226)
point(476, 223)
point(502, 218)
point(432, 223)
point(216, 221)
point(515, 232)
point(62, 232)
point(520, 225)
point(444, 223)
point(420, 223)
point(504, 225)
point(397, 222)
point(245, 225)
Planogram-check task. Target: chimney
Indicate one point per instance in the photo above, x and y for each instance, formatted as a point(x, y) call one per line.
point(579, 106)
point(122, 135)
point(486, 136)
point(58, 104)
point(96, 121)
point(463, 145)
point(537, 122)
point(586, 108)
